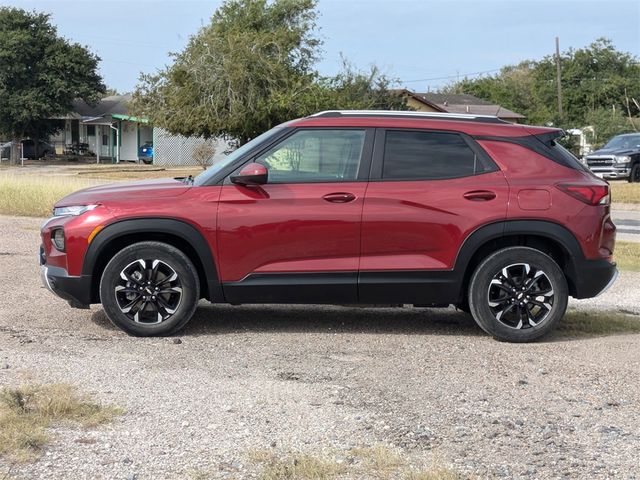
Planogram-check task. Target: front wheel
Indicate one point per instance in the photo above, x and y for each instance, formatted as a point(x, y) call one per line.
point(518, 294)
point(634, 175)
point(150, 289)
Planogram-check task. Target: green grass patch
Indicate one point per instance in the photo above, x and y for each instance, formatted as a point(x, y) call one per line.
point(34, 196)
point(625, 192)
point(28, 411)
point(627, 255)
point(581, 323)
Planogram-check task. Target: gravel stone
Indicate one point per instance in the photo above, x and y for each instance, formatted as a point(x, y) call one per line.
point(321, 379)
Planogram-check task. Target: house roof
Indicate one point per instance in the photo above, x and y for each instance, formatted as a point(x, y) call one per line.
point(453, 99)
point(465, 103)
point(114, 104)
point(462, 103)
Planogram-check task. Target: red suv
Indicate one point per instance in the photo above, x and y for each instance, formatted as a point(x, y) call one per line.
point(347, 207)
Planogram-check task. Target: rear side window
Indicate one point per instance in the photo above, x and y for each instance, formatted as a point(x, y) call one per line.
point(415, 155)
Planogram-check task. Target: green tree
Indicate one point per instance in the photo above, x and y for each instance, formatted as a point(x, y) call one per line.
point(353, 89)
point(597, 77)
point(40, 75)
point(606, 123)
point(250, 69)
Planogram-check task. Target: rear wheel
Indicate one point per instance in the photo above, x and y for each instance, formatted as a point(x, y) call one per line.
point(149, 289)
point(518, 294)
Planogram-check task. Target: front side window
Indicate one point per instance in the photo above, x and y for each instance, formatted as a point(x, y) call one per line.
point(414, 155)
point(321, 155)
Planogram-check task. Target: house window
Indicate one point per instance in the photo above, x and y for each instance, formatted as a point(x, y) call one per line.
point(91, 130)
point(105, 140)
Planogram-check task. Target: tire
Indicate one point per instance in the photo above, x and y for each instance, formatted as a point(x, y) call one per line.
point(156, 300)
point(499, 305)
point(634, 175)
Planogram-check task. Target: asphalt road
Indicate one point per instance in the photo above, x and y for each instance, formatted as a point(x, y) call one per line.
point(628, 223)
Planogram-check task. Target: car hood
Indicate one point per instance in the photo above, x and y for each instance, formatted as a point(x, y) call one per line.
point(611, 151)
point(142, 190)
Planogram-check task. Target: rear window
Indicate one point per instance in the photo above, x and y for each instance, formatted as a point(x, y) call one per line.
point(414, 155)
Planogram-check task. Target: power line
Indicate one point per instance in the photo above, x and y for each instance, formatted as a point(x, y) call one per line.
point(452, 76)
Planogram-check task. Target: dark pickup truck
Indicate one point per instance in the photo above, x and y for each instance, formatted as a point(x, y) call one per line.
point(619, 158)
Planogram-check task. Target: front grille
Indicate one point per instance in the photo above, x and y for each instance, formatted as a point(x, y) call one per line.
point(600, 161)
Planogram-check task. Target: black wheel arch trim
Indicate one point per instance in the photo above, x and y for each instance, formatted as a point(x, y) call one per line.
point(493, 231)
point(540, 228)
point(157, 225)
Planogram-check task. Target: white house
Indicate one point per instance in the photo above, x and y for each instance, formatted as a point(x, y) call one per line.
point(109, 132)
point(104, 130)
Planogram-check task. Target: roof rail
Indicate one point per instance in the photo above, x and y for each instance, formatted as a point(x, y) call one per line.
point(467, 117)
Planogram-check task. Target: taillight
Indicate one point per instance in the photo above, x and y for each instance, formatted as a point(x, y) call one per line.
point(589, 194)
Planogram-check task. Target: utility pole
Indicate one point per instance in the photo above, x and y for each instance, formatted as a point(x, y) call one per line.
point(558, 77)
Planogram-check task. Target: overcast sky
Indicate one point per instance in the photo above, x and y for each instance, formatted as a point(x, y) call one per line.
point(424, 43)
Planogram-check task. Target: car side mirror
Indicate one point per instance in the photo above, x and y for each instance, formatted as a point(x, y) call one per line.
point(251, 174)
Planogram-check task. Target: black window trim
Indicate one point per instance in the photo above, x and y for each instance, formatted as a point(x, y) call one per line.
point(363, 169)
point(379, 146)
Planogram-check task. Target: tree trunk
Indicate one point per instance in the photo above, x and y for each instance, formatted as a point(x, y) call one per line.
point(14, 157)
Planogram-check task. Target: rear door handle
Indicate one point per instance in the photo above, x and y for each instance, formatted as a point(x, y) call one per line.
point(339, 197)
point(480, 195)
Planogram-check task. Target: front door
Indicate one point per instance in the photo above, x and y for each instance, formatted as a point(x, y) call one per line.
point(296, 239)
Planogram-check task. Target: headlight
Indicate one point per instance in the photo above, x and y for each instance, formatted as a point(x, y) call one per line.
point(622, 158)
point(57, 237)
point(73, 210)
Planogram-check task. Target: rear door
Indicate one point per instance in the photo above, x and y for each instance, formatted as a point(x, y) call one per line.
point(429, 190)
point(296, 239)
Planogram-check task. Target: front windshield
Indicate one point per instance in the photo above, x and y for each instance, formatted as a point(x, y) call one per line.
point(210, 172)
point(624, 141)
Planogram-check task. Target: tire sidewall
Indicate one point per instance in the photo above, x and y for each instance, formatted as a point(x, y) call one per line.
point(151, 250)
point(479, 293)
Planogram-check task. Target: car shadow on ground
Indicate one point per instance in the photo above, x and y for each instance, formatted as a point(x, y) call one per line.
point(224, 319)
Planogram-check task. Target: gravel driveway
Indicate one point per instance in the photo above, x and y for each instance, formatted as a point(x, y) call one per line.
point(321, 379)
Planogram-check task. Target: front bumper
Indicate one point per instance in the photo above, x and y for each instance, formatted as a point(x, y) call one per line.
point(611, 173)
point(75, 290)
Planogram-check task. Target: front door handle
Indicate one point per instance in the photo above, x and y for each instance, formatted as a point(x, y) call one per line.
point(480, 195)
point(339, 197)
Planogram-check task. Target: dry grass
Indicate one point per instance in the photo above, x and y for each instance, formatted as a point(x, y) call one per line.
point(137, 172)
point(296, 466)
point(624, 192)
point(581, 323)
point(627, 256)
point(379, 458)
point(378, 462)
point(28, 411)
point(34, 196)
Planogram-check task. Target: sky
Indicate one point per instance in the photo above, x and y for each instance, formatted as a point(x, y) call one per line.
point(425, 44)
